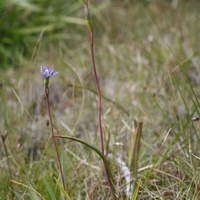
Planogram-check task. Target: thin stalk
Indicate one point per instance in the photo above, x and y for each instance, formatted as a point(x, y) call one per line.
point(3, 137)
point(136, 150)
point(91, 41)
point(91, 38)
point(135, 153)
point(53, 138)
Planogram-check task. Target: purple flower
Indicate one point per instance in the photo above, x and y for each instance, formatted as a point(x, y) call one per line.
point(47, 73)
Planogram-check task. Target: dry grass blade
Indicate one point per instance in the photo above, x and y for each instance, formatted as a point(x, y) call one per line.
point(33, 190)
point(135, 149)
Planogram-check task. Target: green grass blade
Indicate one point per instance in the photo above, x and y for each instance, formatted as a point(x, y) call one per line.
point(136, 190)
point(73, 20)
point(105, 160)
point(62, 189)
point(33, 195)
point(49, 189)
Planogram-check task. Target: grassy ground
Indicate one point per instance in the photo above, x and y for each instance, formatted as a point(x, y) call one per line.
point(148, 61)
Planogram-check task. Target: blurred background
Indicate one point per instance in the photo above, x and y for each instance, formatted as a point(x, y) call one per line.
point(28, 27)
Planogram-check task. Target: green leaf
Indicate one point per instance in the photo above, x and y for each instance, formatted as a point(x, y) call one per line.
point(33, 195)
point(136, 190)
point(105, 160)
point(73, 20)
point(62, 189)
point(48, 186)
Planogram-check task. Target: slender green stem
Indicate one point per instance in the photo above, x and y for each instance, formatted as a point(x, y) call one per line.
point(53, 138)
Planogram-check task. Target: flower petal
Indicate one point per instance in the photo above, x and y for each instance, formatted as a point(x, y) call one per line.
point(46, 74)
point(55, 73)
point(45, 68)
point(51, 69)
point(41, 70)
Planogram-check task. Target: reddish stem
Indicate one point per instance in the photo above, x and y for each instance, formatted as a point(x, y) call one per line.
point(91, 40)
point(54, 140)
